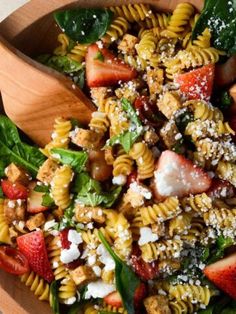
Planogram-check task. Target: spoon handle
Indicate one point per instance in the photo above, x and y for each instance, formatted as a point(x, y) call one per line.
point(33, 94)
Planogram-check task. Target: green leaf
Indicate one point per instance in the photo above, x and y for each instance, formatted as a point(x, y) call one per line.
point(76, 160)
point(91, 199)
point(129, 137)
point(12, 149)
point(1, 193)
point(62, 64)
point(208, 310)
point(220, 17)
point(41, 188)
point(47, 200)
point(126, 280)
point(84, 25)
point(110, 197)
point(84, 183)
point(99, 56)
point(54, 296)
point(79, 78)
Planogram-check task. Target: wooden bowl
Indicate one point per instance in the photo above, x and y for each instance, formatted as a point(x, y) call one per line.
point(32, 30)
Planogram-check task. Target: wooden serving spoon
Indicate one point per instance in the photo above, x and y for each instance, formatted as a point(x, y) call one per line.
point(33, 95)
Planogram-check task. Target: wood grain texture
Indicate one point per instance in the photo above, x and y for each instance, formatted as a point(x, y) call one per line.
point(28, 29)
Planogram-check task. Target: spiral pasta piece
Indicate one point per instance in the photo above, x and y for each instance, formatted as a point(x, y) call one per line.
point(147, 45)
point(64, 41)
point(190, 293)
point(203, 40)
point(99, 122)
point(4, 227)
point(160, 20)
point(113, 309)
point(122, 165)
point(165, 249)
point(221, 218)
point(67, 290)
point(60, 186)
point(132, 12)
point(78, 52)
point(180, 17)
point(91, 309)
point(136, 62)
point(108, 276)
point(144, 160)
point(179, 224)
point(116, 30)
point(227, 171)
point(181, 307)
point(204, 111)
point(60, 135)
point(195, 231)
point(37, 285)
point(199, 203)
point(160, 212)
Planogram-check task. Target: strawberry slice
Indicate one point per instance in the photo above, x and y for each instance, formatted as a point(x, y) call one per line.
point(114, 298)
point(197, 84)
point(132, 177)
point(34, 201)
point(32, 245)
point(146, 271)
point(223, 274)
point(104, 69)
point(177, 176)
point(220, 188)
point(14, 191)
point(147, 111)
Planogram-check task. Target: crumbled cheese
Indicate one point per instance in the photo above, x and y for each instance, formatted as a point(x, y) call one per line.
point(11, 204)
point(49, 224)
point(70, 255)
point(119, 180)
point(98, 289)
point(146, 236)
point(97, 270)
point(74, 237)
point(140, 189)
point(105, 258)
point(70, 301)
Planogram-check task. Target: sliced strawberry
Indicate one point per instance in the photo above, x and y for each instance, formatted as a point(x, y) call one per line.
point(113, 299)
point(140, 294)
point(133, 177)
point(34, 201)
point(104, 69)
point(177, 176)
point(14, 191)
point(220, 188)
point(197, 84)
point(223, 274)
point(32, 245)
point(146, 271)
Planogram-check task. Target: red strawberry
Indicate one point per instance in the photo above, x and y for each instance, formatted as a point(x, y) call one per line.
point(114, 298)
point(147, 111)
point(14, 191)
point(32, 245)
point(197, 84)
point(223, 274)
point(104, 69)
point(220, 188)
point(133, 177)
point(177, 176)
point(146, 271)
point(34, 201)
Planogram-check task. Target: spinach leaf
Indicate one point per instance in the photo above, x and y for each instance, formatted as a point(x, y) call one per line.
point(84, 25)
point(220, 17)
point(208, 310)
point(79, 78)
point(126, 280)
point(12, 149)
point(128, 138)
point(76, 160)
point(84, 184)
point(54, 295)
point(62, 64)
point(47, 200)
point(41, 188)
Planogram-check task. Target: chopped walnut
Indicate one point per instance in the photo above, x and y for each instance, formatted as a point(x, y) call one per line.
point(15, 173)
point(14, 210)
point(87, 139)
point(85, 214)
point(151, 137)
point(82, 275)
point(47, 171)
point(35, 221)
point(157, 304)
point(169, 104)
point(127, 44)
point(155, 78)
point(169, 134)
point(99, 94)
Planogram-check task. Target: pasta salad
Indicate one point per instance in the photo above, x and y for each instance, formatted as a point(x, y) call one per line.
point(136, 212)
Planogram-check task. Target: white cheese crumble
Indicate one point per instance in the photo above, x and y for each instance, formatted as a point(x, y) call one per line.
point(74, 237)
point(146, 236)
point(70, 255)
point(49, 225)
point(70, 301)
point(142, 190)
point(119, 180)
point(98, 289)
point(105, 258)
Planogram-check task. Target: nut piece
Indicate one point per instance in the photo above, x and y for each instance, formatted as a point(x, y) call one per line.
point(155, 78)
point(87, 139)
point(47, 170)
point(82, 275)
point(157, 304)
point(169, 104)
point(85, 214)
point(169, 134)
point(99, 94)
point(14, 210)
point(35, 221)
point(151, 137)
point(127, 44)
point(15, 173)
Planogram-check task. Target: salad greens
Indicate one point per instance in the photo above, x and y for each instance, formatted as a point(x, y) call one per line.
point(129, 137)
point(62, 64)
point(12, 149)
point(75, 159)
point(220, 17)
point(54, 297)
point(126, 280)
point(89, 192)
point(220, 305)
point(84, 25)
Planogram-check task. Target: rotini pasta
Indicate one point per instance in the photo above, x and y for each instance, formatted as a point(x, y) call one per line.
point(37, 285)
point(4, 226)
point(132, 12)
